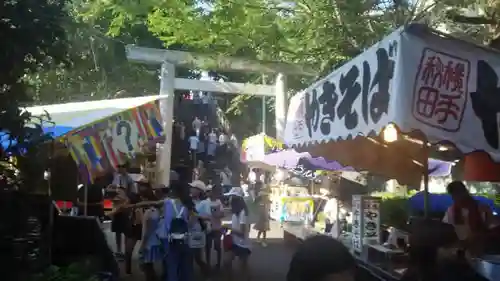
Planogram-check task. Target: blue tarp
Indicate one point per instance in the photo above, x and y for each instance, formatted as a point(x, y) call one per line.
point(53, 131)
point(441, 202)
point(57, 131)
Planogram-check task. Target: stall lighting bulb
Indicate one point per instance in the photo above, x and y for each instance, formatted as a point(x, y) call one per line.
point(390, 133)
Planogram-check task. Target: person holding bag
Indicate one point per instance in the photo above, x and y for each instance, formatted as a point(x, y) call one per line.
point(173, 233)
point(240, 242)
point(197, 234)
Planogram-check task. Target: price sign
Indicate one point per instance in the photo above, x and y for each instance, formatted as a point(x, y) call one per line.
point(357, 243)
point(371, 221)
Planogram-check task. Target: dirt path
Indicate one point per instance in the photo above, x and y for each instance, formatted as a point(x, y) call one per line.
point(267, 263)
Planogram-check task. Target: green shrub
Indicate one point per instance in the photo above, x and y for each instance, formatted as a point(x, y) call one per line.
point(73, 272)
point(394, 212)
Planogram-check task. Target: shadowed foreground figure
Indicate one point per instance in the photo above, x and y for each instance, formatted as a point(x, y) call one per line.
point(426, 266)
point(322, 258)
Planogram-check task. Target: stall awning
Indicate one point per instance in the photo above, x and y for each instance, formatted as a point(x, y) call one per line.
point(102, 134)
point(433, 88)
point(66, 117)
point(77, 114)
point(291, 159)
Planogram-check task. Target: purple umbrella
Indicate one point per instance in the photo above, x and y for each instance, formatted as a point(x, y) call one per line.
point(290, 159)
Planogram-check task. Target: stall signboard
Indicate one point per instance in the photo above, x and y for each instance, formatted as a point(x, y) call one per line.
point(101, 146)
point(416, 78)
point(371, 221)
point(365, 221)
point(357, 218)
point(296, 209)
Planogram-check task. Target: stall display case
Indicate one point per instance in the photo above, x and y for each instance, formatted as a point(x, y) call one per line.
point(291, 204)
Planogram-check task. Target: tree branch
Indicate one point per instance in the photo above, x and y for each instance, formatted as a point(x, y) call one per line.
point(347, 30)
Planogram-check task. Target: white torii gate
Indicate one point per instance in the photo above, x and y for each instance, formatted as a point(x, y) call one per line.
point(168, 83)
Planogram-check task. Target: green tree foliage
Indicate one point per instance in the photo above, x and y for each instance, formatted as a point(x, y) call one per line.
point(96, 66)
point(32, 39)
point(321, 33)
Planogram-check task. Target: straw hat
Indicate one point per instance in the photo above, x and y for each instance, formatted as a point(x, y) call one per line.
point(199, 185)
point(235, 191)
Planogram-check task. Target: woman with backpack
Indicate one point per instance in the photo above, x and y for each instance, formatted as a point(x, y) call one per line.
point(240, 246)
point(178, 210)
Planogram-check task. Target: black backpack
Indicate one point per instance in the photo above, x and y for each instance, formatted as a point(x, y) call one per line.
point(179, 229)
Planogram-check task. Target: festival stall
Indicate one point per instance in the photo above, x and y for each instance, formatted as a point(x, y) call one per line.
point(102, 145)
point(303, 165)
point(414, 94)
point(99, 135)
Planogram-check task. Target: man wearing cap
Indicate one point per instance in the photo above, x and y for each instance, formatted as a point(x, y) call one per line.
point(197, 238)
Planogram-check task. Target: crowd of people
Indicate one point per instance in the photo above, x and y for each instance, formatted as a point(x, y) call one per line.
point(204, 141)
point(179, 226)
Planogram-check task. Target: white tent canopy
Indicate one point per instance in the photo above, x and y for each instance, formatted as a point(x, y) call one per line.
point(77, 114)
point(425, 83)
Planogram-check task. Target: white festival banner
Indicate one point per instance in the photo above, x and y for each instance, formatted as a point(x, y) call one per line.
point(415, 78)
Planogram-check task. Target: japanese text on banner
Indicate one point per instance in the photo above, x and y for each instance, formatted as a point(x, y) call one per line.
point(359, 96)
point(441, 90)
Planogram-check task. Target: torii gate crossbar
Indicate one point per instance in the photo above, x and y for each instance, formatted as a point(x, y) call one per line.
point(169, 59)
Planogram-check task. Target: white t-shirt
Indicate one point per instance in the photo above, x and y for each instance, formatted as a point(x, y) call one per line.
point(196, 124)
point(236, 222)
point(205, 99)
point(330, 210)
point(125, 181)
point(225, 178)
point(222, 139)
point(262, 178)
point(193, 142)
point(214, 206)
point(202, 207)
point(234, 141)
point(212, 137)
point(252, 177)
point(197, 237)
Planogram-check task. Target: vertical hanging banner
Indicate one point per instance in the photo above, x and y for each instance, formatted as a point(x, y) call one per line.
point(365, 222)
point(357, 243)
point(101, 146)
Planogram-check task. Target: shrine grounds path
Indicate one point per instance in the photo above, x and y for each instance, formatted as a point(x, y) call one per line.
point(266, 264)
